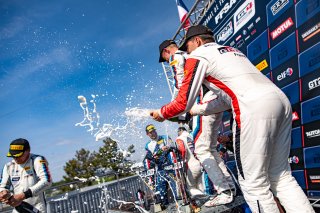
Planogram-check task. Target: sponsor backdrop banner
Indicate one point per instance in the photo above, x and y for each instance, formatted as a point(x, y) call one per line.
point(281, 38)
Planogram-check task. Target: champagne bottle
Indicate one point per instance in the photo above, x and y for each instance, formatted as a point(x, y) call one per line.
point(25, 207)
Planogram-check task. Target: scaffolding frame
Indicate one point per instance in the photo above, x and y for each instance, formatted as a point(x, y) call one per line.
point(197, 12)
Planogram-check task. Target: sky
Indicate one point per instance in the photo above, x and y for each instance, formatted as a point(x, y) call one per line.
point(54, 51)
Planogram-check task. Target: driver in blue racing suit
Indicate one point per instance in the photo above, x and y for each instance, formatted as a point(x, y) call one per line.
point(159, 151)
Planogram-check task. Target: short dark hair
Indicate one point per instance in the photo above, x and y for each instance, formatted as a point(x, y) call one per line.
point(206, 38)
point(181, 128)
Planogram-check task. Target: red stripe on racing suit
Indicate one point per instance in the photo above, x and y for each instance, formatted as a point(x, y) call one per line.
point(184, 100)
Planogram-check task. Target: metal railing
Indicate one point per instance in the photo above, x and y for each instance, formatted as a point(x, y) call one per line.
point(98, 198)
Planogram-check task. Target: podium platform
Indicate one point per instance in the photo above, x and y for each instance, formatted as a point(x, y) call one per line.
point(172, 208)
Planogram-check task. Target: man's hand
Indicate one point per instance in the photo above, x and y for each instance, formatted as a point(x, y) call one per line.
point(15, 200)
point(223, 139)
point(4, 195)
point(156, 116)
point(165, 148)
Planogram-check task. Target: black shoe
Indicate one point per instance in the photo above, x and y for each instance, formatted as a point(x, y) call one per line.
point(163, 206)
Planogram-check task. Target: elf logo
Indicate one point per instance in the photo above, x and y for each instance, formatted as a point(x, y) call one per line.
point(313, 133)
point(295, 116)
point(284, 74)
point(224, 10)
point(293, 160)
point(276, 7)
point(282, 28)
point(314, 83)
point(225, 33)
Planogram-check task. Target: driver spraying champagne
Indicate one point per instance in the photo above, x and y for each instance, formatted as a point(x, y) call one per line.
point(159, 153)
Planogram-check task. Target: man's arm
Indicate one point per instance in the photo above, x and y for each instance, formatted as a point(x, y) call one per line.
point(177, 63)
point(4, 184)
point(213, 106)
point(195, 70)
point(44, 176)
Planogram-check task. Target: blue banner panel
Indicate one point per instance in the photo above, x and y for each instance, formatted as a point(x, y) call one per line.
point(296, 141)
point(311, 134)
point(309, 33)
point(296, 115)
point(283, 51)
point(236, 23)
point(310, 85)
point(299, 176)
point(258, 46)
point(282, 27)
point(276, 8)
point(292, 92)
point(305, 9)
point(309, 60)
point(310, 110)
point(312, 157)
point(313, 193)
point(296, 159)
point(286, 73)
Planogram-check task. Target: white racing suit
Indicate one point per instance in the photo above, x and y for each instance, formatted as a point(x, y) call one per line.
point(176, 62)
point(205, 130)
point(185, 146)
point(205, 134)
point(262, 124)
point(33, 175)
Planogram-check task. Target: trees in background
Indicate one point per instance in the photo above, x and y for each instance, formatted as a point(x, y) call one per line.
point(109, 159)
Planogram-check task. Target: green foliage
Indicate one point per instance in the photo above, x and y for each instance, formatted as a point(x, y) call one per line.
point(83, 165)
point(109, 160)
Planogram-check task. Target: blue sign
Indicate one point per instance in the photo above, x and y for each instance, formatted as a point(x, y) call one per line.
point(283, 51)
point(310, 110)
point(309, 60)
point(312, 157)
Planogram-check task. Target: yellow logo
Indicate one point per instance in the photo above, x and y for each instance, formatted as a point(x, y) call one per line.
point(185, 72)
point(43, 161)
point(16, 147)
point(160, 141)
point(27, 168)
point(262, 65)
point(174, 62)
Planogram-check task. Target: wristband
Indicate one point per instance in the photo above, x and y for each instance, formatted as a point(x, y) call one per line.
point(28, 193)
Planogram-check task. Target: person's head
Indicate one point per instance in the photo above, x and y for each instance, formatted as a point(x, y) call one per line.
point(196, 36)
point(151, 132)
point(166, 49)
point(19, 150)
point(181, 130)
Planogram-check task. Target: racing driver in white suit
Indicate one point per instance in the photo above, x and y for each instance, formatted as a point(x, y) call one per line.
point(262, 120)
point(205, 128)
point(27, 174)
